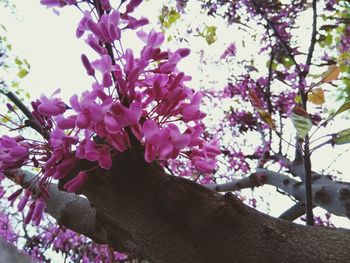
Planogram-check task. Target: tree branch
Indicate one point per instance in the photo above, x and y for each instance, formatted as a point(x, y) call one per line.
point(331, 195)
point(162, 218)
point(313, 34)
point(32, 122)
point(293, 212)
point(280, 39)
point(70, 210)
point(307, 153)
point(11, 254)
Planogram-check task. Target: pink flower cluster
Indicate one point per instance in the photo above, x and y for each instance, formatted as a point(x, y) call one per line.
point(6, 230)
point(143, 98)
point(13, 152)
point(73, 246)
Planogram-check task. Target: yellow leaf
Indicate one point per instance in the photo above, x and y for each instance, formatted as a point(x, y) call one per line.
point(266, 117)
point(316, 96)
point(331, 74)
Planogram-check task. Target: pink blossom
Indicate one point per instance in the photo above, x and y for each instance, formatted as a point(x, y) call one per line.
point(183, 52)
point(12, 153)
point(65, 123)
point(204, 165)
point(39, 208)
point(30, 212)
point(229, 51)
point(135, 23)
point(22, 203)
point(132, 5)
point(142, 94)
point(106, 5)
point(78, 181)
point(105, 160)
point(89, 70)
point(191, 111)
point(94, 44)
point(58, 3)
point(15, 194)
point(64, 168)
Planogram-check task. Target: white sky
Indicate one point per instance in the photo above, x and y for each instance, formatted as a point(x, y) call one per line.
point(48, 42)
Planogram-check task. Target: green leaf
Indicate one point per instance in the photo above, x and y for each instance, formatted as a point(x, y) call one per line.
point(297, 99)
point(161, 19)
point(168, 18)
point(288, 62)
point(27, 63)
point(341, 137)
point(209, 34)
point(343, 108)
point(22, 73)
point(3, 27)
point(302, 124)
point(15, 84)
point(173, 16)
point(18, 61)
point(328, 40)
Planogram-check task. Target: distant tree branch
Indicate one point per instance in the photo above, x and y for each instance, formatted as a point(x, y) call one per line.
point(276, 33)
point(330, 195)
point(313, 34)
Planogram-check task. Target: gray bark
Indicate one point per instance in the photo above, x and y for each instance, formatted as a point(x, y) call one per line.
point(333, 196)
point(9, 254)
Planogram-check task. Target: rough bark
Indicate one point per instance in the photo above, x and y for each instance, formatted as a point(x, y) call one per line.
point(169, 219)
point(9, 253)
point(333, 196)
point(137, 208)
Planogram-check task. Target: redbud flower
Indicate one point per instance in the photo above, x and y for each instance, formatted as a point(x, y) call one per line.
point(90, 71)
point(9, 107)
point(15, 194)
point(39, 208)
point(74, 184)
point(183, 52)
point(132, 5)
point(29, 214)
point(22, 203)
point(106, 5)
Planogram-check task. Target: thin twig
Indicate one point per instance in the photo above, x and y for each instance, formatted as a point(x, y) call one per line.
point(32, 122)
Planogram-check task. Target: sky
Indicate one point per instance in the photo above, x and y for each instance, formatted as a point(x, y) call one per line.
point(48, 42)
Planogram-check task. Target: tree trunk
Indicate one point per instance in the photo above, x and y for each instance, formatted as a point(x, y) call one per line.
point(168, 219)
point(9, 254)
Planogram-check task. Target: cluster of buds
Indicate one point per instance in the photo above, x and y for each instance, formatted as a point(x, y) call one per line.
point(142, 97)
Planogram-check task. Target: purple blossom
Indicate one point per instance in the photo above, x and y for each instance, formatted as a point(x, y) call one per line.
point(132, 5)
point(229, 51)
point(133, 94)
point(74, 184)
